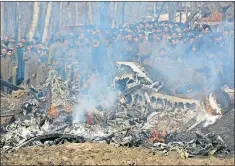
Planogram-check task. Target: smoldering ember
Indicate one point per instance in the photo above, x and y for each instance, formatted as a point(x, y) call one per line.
point(133, 82)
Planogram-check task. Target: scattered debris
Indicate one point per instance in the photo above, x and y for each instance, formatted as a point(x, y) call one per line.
point(144, 115)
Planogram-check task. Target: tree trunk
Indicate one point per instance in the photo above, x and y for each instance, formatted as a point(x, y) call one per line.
point(19, 21)
point(224, 13)
point(186, 12)
point(61, 11)
point(162, 7)
point(90, 12)
point(36, 9)
point(104, 8)
point(86, 13)
point(6, 21)
point(123, 12)
point(16, 20)
point(115, 14)
point(2, 20)
point(118, 14)
point(76, 12)
point(193, 12)
point(172, 11)
point(154, 10)
point(156, 6)
point(47, 21)
point(180, 11)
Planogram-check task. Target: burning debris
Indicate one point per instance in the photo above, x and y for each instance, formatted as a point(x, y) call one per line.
point(143, 114)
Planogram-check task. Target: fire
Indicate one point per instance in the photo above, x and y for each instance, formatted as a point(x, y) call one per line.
point(158, 136)
point(53, 111)
point(90, 119)
point(208, 107)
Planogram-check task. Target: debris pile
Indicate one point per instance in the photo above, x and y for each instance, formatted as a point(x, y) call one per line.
point(144, 114)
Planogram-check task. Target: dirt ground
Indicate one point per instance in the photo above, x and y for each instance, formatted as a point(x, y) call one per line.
point(101, 154)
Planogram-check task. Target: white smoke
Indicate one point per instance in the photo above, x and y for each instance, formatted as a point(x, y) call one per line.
point(99, 93)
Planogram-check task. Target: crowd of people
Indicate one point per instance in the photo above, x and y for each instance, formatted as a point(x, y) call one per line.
point(95, 50)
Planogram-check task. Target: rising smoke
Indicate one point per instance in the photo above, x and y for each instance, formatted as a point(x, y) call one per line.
point(210, 68)
point(99, 93)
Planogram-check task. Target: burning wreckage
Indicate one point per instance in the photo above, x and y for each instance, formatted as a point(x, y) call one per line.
point(147, 112)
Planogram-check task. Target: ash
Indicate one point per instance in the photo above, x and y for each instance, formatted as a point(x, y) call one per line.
point(141, 111)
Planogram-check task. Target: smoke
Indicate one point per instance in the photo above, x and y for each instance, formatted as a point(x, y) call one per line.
point(203, 66)
point(98, 95)
point(207, 68)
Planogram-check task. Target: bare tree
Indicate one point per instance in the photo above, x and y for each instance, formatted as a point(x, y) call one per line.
point(123, 12)
point(186, 10)
point(90, 12)
point(47, 21)
point(193, 12)
point(115, 14)
point(2, 19)
point(36, 10)
point(171, 11)
point(18, 19)
point(61, 12)
point(224, 7)
point(154, 9)
point(76, 12)
point(161, 9)
point(118, 14)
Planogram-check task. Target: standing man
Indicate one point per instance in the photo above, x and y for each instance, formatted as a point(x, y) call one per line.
point(132, 48)
point(26, 57)
point(20, 69)
point(42, 71)
point(144, 48)
point(14, 61)
point(12, 43)
point(57, 52)
point(33, 67)
point(6, 68)
point(118, 48)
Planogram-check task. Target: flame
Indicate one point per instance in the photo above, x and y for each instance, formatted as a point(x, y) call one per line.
point(208, 107)
point(53, 111)
point(158, 136)
point(90, 119)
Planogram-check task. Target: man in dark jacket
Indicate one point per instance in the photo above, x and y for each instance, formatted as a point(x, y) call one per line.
point(20, 69)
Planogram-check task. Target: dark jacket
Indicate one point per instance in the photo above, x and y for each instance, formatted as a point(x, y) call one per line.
point(21, 64)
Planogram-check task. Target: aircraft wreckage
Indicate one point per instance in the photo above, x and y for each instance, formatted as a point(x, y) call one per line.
point(148, 112)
